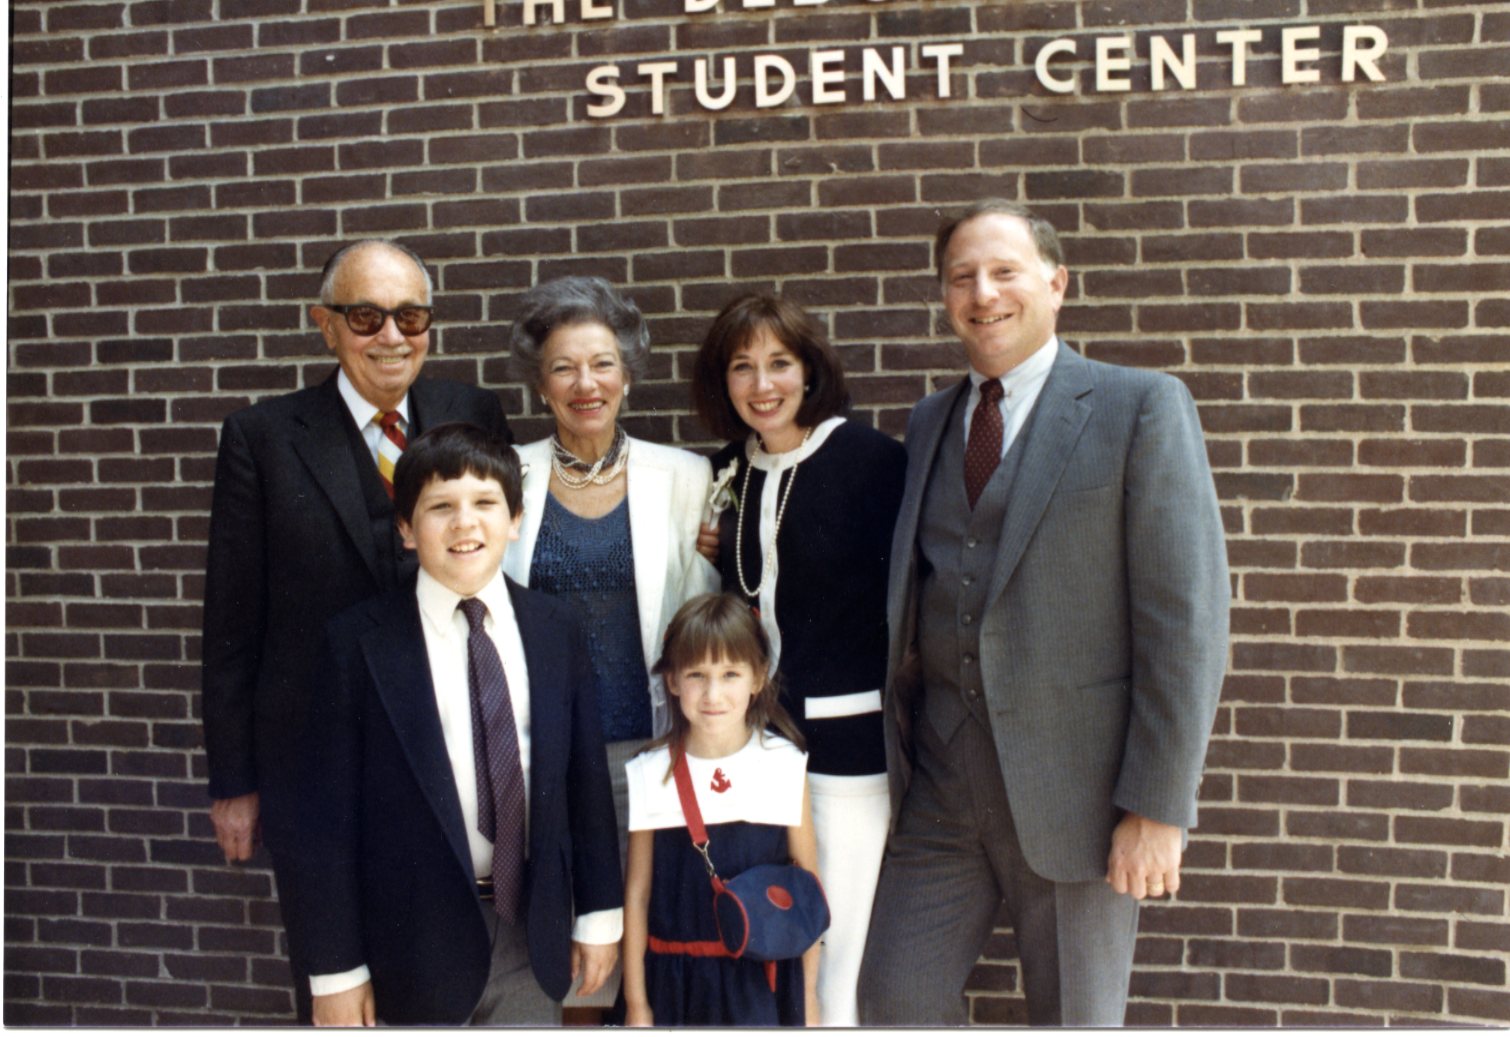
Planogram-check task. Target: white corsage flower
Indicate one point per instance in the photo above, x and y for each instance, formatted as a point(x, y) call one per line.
point(721, 494)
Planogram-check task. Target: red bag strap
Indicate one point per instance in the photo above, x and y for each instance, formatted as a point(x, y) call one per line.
point(692, 814)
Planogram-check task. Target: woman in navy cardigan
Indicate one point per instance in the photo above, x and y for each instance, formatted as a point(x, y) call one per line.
point(808, 503)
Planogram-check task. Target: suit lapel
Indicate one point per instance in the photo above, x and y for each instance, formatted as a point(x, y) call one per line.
point(546, 701)
point(320, 441)
point(649, 491)
point(428, 407)
point(1063, 409)
point(924, 437)
point(394, 649)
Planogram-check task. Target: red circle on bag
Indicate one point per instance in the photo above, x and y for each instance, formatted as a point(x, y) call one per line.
point(780, 897)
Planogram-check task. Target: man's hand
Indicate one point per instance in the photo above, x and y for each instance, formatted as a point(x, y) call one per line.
point(237, 828)
point(707, 543)
point(593, 962)
point(1145, 857)
point(354, 1007)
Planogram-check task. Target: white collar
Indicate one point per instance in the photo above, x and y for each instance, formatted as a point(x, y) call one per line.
point(758, 458)
point(1034, 368)
point(362, 410)
point(438, 603)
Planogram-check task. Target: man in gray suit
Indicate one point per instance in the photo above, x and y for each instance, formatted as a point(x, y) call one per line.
point(1058, 611)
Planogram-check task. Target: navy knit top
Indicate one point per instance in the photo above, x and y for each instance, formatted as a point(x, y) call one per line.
point(589, 564)
point(833, 557)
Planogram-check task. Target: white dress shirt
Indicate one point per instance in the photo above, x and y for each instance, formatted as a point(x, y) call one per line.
point(446, 632)
point(363, 413)
point(1020, 389)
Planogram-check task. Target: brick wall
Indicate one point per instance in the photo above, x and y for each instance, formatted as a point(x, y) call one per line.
point(1325, 265)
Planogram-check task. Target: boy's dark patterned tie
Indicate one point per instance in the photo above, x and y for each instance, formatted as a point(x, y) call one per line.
point(500, 777)
point(983, 451)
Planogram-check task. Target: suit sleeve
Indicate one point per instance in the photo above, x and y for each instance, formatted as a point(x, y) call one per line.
point(1179, 596)
point(597, 875)
point(235, 615)
point(320, 891)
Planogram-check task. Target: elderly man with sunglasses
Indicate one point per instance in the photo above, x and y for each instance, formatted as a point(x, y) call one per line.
point(301, 527)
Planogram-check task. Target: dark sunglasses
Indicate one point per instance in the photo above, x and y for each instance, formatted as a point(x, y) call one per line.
point(366, 319)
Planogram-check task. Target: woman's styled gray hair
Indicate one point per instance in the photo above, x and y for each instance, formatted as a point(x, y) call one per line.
point(574, 300)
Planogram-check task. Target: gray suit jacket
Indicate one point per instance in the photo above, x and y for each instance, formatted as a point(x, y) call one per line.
point(1104, 640)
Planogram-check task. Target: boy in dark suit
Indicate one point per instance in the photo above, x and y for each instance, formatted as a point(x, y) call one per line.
point(457, 858)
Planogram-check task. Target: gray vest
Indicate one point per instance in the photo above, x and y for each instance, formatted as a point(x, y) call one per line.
point(958, 547)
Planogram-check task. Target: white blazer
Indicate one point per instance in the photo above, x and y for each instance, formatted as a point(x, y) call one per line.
point(668, 490)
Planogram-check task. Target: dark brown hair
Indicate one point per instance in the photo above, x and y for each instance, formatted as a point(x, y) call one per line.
point(720, 626)
point(450, 451)
point(1045, 238)
point(733, 329)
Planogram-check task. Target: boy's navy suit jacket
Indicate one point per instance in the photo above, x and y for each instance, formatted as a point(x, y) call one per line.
point(383, 872)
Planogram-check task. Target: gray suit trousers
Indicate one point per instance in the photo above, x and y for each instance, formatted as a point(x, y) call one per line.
point(951, 862)
point(512, 996)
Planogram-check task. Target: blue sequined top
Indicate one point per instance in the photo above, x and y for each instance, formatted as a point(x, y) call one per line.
point(589, 564)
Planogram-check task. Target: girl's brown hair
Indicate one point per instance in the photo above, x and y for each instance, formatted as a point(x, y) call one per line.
point(720, 626)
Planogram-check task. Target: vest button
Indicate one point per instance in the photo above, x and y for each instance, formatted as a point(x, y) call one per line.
point(967, 580)
point(971, 541)
point(966, 618)
point(969, 658)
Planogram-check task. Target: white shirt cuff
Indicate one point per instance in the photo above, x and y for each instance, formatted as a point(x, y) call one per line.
point(339, 982)
point(596, 927)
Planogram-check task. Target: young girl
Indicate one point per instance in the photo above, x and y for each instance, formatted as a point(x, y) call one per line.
point(751, 787)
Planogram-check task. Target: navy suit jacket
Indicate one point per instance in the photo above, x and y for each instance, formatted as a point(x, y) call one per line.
point(290, 545)
point(381, 872)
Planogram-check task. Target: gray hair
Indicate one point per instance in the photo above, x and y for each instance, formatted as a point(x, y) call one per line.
point(574, 300)
point(339, 257)
point(1045, 239)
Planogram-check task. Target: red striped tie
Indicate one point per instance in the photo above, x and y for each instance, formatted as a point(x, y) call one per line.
point(390, 446)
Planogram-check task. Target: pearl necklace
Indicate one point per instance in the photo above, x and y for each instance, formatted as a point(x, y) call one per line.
point(739, 527)
point(563, 461)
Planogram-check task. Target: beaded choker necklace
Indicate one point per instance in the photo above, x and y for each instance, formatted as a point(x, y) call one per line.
point(739, 526)
point(601, 472)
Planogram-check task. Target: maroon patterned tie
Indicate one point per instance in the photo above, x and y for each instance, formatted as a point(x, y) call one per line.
point(983, 451)
point(500, 778)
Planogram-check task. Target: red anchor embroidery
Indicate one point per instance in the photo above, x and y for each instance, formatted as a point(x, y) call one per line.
point(720, 783)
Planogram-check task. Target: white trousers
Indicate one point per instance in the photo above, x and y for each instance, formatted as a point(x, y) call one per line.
point(850, 817)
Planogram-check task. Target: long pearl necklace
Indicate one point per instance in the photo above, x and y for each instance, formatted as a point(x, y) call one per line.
point(739, 527)
point(563, 462)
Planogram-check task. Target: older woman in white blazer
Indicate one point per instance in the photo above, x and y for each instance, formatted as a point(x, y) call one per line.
point(610, 522)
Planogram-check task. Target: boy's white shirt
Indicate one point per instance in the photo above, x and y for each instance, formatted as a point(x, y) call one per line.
point(762, 782)
point(446, 633)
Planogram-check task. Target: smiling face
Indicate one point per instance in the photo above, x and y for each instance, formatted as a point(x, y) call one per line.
point(1002, 301)
point(460, 529)
point(765, 381)
point(582, 378)
point(714, 696)
point(381, 366)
